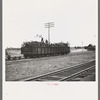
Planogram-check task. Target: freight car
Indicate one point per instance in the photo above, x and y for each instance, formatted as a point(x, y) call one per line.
point(38, 49)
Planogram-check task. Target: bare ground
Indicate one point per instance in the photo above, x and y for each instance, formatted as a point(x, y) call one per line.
point(32, 67)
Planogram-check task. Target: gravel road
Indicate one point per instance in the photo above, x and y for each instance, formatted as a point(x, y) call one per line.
point(21, 69)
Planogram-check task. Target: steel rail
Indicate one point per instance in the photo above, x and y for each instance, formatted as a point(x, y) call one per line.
point(76, 74)
point(54, 72)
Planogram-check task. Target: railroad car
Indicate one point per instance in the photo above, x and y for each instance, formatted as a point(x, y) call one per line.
point(39, 49)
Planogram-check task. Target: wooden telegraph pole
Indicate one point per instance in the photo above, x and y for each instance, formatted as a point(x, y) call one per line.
point(49, 25)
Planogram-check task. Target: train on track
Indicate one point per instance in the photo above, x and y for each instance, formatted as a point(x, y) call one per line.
point(38, 49)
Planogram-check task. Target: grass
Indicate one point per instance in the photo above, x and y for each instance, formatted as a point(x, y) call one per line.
point(33, 67)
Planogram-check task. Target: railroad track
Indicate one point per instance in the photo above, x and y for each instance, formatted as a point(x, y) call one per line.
point(73, 73)
point(80, 75)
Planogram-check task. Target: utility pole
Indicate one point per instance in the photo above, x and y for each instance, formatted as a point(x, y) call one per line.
point(49, 25)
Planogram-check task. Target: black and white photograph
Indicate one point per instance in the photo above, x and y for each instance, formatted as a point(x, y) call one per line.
point(50, 49)
point(50, 40)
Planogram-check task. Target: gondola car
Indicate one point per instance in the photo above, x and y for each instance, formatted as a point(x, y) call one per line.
point(39, 49)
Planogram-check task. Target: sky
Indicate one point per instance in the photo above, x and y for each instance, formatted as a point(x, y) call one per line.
point(75, 21)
